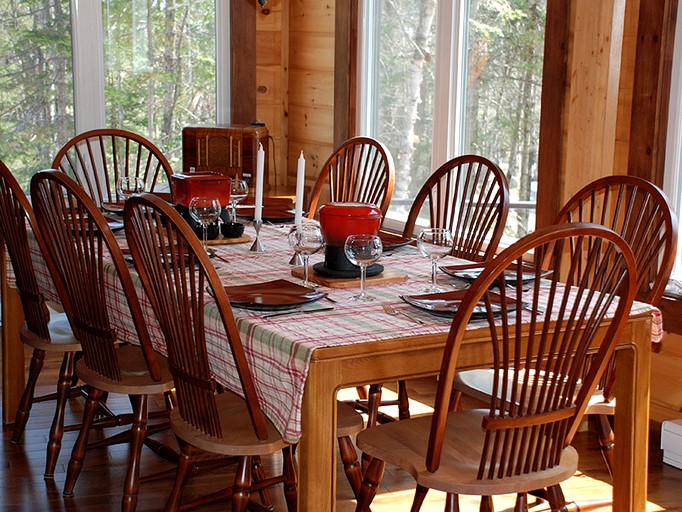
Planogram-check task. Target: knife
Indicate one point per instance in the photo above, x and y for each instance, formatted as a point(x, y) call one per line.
point(271, 315)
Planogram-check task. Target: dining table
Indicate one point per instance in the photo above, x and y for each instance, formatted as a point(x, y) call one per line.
point(301, 359)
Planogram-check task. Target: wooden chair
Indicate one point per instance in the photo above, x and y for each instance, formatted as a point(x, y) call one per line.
point(44, 330)
point(85, 259)
point(469, 195)
point(97, 158)
point(520, 442)
point(640, 212)
point(180, 286)
point(361, 170)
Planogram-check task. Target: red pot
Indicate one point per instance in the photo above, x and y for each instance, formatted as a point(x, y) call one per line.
point(200, 184)
point(339, 220)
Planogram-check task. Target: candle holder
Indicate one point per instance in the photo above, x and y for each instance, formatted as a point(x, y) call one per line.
point(257, 244)
point(296, 260)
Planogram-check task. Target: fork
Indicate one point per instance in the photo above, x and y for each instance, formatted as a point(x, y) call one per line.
point(388, 308)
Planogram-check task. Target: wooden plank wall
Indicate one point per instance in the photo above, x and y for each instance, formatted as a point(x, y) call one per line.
point(295, 75)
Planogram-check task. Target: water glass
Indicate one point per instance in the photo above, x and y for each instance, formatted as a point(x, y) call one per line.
point(204, 210)
point(434, 243)
point(239, 189)
point(306, 239)
point(363, 250)
point(126, 186)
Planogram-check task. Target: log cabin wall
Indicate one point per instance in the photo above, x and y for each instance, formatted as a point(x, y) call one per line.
point(295, 83)
point(605, 95)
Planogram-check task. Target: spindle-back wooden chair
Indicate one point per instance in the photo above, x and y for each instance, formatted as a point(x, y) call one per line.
point(361, 170)
point(180, 286)
point(43, 329)
point(97, 158)
point(640, 212)
point(521, 441)
point(85, 260)
point(469, 195)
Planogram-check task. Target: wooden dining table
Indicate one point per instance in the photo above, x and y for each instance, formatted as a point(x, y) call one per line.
point(301, 360)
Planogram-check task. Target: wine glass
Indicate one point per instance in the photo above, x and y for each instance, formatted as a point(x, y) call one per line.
point(126, 186)
point(239, 189)
point(306, 239)
point(434, 243)
point(362, 250)
point(204, 210)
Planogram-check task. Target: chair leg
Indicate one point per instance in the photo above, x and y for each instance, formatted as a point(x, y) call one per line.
point(362, 392)
point(521, 502)
point(258, 473)
point(290, 484)
point(370, 484)
point(452, 503)
point(403, 401)
point(26, 401)
point(79, 449)
point(419, 497)
point(606, 439)
point(487, 504)
point(373, 403)
point(64, 386)
point(185, 466)
point(131, 486)
point(242, 485)
point(351, 465)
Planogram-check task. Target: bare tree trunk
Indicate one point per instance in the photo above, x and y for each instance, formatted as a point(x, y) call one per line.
point(420, 56)
point(151, 89)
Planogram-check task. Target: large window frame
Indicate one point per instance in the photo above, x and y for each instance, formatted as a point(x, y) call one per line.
point(88, 63)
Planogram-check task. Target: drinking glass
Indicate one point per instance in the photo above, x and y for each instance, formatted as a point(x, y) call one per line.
point(306, 239)
point(239, 189)
point(204, 210)
point(434, 243)
point(362, 250)
point(126, 186)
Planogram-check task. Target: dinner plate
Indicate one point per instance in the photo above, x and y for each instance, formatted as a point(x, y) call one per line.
point(270, 213)
point(279, 294)
point(114, 207)
point(389, 241)
point(471, 274)
point(446, 304)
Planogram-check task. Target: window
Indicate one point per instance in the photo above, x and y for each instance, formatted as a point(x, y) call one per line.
point(147, 66)
point(673, 156)
point(439, 79)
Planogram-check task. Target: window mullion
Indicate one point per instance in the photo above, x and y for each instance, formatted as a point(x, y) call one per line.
point(88, 64)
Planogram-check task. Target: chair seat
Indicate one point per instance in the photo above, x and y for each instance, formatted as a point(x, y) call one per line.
point(348, 421)
point(479, 383)
point(404, 443)
point(135, 378)
point(237, 433)
point(61, 336)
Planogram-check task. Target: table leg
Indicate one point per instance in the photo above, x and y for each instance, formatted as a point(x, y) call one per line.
point(13, 375)
point(317, 448)
point(632, 422)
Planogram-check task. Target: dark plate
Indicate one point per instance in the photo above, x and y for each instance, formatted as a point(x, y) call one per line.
point(324, 271)
point(471, 274)
point(270, 213)
point(115, 208)
point(274, 295)
point(446, 304)
point(391, 241)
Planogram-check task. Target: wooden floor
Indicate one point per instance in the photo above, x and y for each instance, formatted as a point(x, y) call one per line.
point(99, 487)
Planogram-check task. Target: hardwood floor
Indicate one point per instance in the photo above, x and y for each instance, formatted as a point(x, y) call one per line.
point(100, 484)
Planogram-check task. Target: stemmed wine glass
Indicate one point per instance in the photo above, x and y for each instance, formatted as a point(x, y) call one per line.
point(434, 243)
point(239, 189)
point(126, 186)
point(204, 210)
point(362, 250)
point(306, 239)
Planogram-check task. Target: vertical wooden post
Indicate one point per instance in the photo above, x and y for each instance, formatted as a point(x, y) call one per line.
point(243, 55)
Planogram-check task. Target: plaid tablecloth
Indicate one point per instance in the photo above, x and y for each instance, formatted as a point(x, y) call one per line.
point(279, 349)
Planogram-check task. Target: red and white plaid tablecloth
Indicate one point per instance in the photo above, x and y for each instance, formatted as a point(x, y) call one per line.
point(279, 349)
